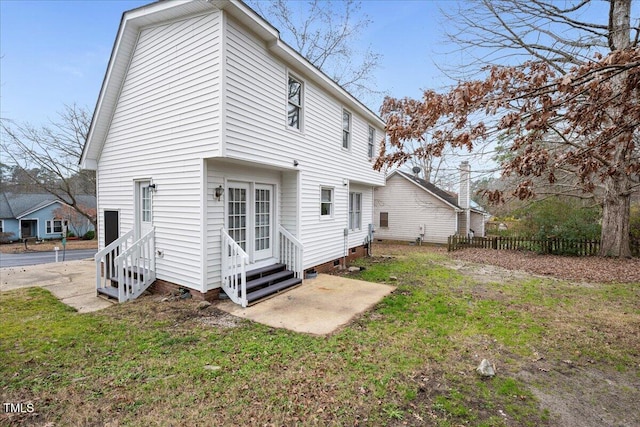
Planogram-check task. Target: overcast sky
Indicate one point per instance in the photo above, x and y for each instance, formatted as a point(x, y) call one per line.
point(56, 52)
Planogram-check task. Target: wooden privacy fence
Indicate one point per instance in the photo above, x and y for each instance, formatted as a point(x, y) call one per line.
point(579, 247)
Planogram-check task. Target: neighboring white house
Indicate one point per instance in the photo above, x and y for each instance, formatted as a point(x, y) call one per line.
point(410, 208)
point(224, 150)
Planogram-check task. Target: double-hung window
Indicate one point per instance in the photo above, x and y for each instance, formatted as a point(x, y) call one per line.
point(372, 136)
point(55, 226)
point(355, 211)
point(294, 103)
point(346, 129)
point(326, 202)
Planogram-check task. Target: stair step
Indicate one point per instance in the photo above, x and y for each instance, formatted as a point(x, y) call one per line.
point(115, 279)
point(272, 278)
point(269, 290)
point(262, 271)
point(109, 291)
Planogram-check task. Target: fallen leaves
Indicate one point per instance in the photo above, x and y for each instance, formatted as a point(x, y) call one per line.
point(587, 269)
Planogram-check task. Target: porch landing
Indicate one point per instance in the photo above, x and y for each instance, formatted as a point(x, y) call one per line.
point(319, 307)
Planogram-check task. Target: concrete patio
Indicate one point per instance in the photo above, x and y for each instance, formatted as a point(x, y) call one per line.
point(319, 306)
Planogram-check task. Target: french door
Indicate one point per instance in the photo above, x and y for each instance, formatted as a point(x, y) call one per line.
point(250, 218)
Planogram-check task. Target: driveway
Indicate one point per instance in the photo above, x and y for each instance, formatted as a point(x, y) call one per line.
point(73, 282)
point(35, 258)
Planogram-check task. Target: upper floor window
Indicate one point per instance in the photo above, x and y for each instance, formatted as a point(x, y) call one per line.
point(346, 129)
point(372, 137)
point(294, 103)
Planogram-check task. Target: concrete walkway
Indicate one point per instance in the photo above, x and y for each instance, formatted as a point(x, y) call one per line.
point(319, 306)
point(73, 282)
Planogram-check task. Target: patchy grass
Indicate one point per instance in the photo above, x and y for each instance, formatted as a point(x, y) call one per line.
point(409, 361)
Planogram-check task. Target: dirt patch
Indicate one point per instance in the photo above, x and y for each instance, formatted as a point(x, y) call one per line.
point(46, 246)
point(585, 396)
point(588, 269)
point(181, 313)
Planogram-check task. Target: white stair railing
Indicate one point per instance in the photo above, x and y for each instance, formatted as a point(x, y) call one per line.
point(291, 252)
point(106, 259)
point(136, 267)
point(234, 271)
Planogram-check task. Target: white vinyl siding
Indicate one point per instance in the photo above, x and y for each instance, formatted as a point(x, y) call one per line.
point(409, 207)
point(256, 96)
point(166, 120)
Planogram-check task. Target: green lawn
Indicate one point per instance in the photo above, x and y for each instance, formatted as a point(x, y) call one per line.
point(409, 361)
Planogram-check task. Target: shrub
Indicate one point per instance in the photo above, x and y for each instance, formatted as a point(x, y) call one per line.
point(7, 237)
point(89, 235)
point(634, 222)
point(561, 218)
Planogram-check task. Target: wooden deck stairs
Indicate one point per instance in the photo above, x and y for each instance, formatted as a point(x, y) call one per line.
point(266, 282)
point(110, 291)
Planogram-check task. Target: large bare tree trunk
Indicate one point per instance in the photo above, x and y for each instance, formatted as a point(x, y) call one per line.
point(615, 218)
point(617, 198)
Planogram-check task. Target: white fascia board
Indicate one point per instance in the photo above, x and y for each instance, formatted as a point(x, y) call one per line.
point(130, 24)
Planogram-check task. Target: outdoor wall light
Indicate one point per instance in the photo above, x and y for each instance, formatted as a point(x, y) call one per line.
point(219, 192)
point(152, 187)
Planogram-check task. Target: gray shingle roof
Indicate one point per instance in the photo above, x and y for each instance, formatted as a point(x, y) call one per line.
point(13, 205)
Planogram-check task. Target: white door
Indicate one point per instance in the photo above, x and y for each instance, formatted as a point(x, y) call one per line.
point(250, 218)
point(263, 221)
point(237, 213)
point(144, 208)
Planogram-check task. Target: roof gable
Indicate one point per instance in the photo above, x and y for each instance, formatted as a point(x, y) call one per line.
point(429, 188)
point(157, 13)
point(19, 205)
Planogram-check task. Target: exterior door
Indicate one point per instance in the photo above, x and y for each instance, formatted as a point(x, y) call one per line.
point(250, 218)
point(263, 221)
point(144, 208)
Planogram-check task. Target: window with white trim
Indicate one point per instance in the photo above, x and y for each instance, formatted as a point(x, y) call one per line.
point(372, 137)
point(355, 211)
point(346, 129)
point(55, 226)
point(326, 202)
point(294, 103)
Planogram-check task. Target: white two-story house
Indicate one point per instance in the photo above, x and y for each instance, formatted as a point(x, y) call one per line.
point(225, 160)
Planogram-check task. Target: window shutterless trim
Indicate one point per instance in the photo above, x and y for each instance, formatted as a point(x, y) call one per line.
point(295, 101)
point(347, 119)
